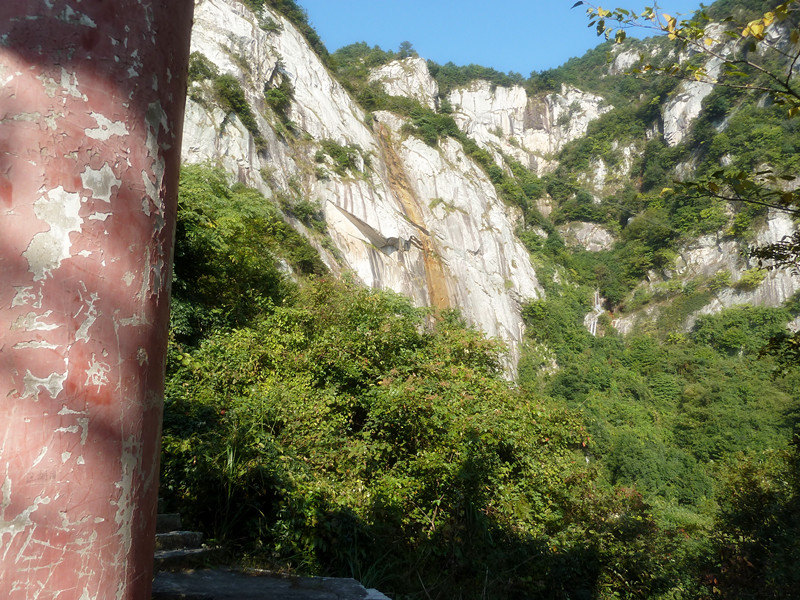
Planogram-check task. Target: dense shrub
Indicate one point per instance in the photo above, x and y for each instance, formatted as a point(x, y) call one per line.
point(757, 531)
point(325, 427)
point(227, 247)
point(231, 97)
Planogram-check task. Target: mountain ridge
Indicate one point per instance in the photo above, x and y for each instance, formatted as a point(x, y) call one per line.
point(581, 176)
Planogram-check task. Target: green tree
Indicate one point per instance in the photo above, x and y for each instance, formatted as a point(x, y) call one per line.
point(406, 50)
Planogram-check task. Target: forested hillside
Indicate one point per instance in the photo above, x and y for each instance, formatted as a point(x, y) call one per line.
point(635, 441)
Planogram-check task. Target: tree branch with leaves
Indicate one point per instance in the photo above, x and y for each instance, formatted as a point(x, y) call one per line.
point(760, 55)
point(742, 48)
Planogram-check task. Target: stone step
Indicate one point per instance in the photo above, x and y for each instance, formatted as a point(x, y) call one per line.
point(166, 522)
point(225, 584)
point(183, 559)
point(180, 596)
point(175, 540)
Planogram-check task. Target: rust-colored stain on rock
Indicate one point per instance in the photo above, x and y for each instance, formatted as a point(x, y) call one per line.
point(435, 271)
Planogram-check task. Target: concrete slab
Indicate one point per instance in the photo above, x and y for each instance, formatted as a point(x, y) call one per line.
point(224, 584)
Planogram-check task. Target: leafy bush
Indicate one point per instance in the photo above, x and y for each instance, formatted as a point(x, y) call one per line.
point(232, 98)
point(345, 158)
point(328, 428)
point(751, 279)
point(200, 68)
point(740, 329)
point(757, 532)
point(227, 246)
point(450, 76)
point(720, 281)
point(279, 98)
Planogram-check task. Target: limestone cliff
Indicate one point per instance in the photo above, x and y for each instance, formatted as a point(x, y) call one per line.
point(408, 77)
point(426, 221)
point(422, 221)
point(529, 129)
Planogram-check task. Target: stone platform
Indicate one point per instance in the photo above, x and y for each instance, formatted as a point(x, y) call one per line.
point(225, 584)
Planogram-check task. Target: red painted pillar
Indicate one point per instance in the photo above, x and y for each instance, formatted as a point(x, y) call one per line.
point(91, 106)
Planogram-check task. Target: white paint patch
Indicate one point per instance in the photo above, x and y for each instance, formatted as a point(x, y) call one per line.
point(73, 17)
point(65, 456)
point(98, 216)
point(136, 68)
point(68, 411)
point(86, 596)
point(97, 373)
point(20, 522)
point(130, 465)
point(82, 427)
point(100, 181)
point(68, 84)
point(59, 209)
point(90, 311)
point(128, 278)
point(23, 296)
point(80, 460)
point(5, 78)
point(85, 253)
point(32, 322)
point(155, 120)
point(36, 117)
point(105, 128)
point(53, 384)
point(39, 458)
point(35, 345)
point(83, 423)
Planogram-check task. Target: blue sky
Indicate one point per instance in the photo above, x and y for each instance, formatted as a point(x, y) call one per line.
point(509, 35)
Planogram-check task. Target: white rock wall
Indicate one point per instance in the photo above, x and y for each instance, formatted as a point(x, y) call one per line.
point(408, 77)
point(591, 236)
point(422, 221)
point(532, 130)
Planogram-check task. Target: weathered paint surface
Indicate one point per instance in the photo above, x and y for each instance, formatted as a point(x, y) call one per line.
point(91, 106)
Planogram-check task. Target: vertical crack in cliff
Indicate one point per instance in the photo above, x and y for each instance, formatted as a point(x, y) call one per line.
point(435, 272)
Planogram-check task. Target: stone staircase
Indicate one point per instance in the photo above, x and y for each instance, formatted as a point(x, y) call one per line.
point(177, 549)
point(180, 559)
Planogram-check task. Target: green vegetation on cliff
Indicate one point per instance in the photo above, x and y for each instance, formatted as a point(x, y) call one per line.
point(318, 426)
point(324, 427)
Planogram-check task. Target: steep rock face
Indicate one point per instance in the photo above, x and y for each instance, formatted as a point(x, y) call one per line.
point(532, 130)
point(708, 256)
point(778, 285)
point(422, 221)
point(604, 177)
point(591, 236)
point(624, 61)
point(469, 228)
point(408, 77)
point(684, 107)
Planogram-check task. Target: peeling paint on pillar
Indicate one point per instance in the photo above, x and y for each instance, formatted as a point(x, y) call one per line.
point(91, 111)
